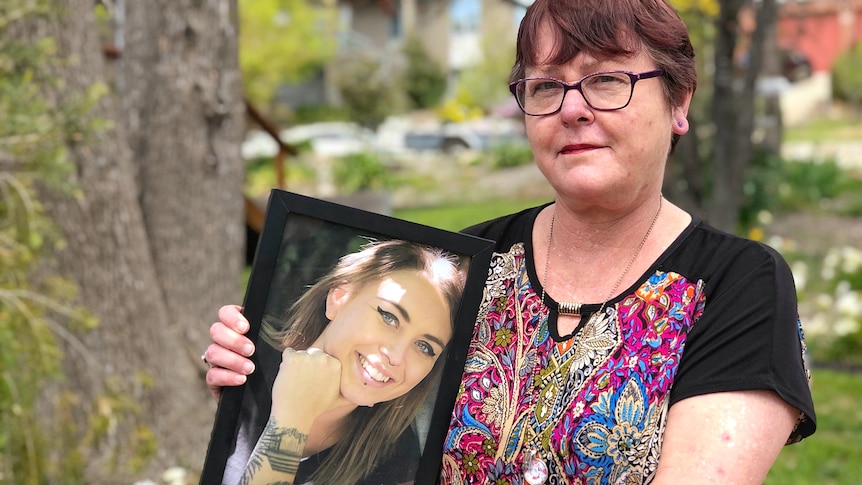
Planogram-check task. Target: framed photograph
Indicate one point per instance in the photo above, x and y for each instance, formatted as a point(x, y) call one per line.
point(361, 323)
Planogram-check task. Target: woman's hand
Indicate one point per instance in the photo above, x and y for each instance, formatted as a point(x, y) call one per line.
point(308, 383)
point(227, 355)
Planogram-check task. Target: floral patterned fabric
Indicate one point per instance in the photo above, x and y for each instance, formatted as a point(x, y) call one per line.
point(592, 406)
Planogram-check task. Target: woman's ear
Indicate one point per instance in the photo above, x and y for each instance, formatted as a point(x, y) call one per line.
point(335, 298)
point(679, 116)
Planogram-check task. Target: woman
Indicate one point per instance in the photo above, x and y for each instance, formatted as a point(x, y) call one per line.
point(361, 353)
point(621, 339)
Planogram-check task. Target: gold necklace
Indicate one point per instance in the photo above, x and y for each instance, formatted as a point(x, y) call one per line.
point(573, 307)
point(533, 467)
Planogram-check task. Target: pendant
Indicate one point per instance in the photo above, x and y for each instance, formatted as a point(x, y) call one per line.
point(534, 469)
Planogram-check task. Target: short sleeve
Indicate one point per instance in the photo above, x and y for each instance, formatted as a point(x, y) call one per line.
point(748, 336)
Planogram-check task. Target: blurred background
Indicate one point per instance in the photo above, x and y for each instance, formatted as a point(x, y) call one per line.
point(139, 142)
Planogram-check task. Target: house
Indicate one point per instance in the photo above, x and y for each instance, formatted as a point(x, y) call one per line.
point(449, 29)
point(820, 29)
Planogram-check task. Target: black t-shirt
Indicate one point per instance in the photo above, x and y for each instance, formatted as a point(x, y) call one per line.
point(748, 336)
point(397, 468)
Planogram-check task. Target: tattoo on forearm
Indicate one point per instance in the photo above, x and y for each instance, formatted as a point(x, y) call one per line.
point(281, 447)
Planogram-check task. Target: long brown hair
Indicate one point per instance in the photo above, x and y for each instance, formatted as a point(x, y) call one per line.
point(609, 28)
point(351, 459)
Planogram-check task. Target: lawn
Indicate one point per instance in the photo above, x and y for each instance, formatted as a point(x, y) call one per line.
point(457, 217)
point(826, 129)
point(833, 455)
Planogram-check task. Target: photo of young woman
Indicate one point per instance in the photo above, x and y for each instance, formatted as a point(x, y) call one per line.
point(361, 349)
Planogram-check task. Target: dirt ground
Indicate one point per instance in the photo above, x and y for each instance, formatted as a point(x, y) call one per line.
point(816, 233)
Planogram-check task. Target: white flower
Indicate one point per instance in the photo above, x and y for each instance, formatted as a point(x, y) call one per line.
point(852, 260)
point(800, 274)
point(845, 326)
point(823, 301)
point(848, 304)
point(817, 325)
point(175, 476)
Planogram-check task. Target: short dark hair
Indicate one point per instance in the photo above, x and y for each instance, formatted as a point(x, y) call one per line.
point(609, 28)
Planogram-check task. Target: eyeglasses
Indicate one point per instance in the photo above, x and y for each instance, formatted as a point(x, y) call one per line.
point(603, 91)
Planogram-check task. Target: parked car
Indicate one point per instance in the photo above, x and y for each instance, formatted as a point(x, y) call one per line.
point(795, 65)
point(331, 138)
point(400, 134)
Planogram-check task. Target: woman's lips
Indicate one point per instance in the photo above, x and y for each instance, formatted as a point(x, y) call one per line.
point(375, 374)
point(579, 148)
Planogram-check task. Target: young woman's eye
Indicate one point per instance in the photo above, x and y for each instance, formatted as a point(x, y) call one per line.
point(426, 348)
point(388, 318)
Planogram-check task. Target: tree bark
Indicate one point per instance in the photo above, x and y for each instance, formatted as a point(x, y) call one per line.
point(734, 110)
point(154, 237)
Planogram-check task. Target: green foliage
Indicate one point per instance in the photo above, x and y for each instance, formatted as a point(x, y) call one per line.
point(369, 95)
point(847, 76)
point(424, 79)
point(313, 114)
point(282, 41)
point(360, 171)
point(777, 185)
point(508, 155)
point(33, 137)
point(484, 85)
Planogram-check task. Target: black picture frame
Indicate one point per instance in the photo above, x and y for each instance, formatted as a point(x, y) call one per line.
point(305, 236)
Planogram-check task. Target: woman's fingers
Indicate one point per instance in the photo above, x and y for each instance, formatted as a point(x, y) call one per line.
point(232, 317)
point(307, 384)
point(217, 378)
point(227, 355)
point(224, 336)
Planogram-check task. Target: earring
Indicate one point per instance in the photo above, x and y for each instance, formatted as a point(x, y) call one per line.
point(679, 124)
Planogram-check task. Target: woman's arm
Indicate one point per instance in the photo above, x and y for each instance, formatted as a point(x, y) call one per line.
point(276, 456)
point(724, 438)
point(307, 385)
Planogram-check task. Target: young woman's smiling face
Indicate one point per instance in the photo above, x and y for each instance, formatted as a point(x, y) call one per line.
point(387, 335)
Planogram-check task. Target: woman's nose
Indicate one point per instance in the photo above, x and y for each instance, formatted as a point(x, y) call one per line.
point(575, 106)
point(394, 351)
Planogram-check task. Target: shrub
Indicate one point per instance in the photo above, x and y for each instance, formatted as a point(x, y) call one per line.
point(424, 79)
point(368, 94)
point(847, 77)
point(360, 171)
point(510, 155)
point(36, 309)
point(778, 185)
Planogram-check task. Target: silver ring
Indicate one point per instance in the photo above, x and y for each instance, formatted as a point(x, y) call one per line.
point(204, 359)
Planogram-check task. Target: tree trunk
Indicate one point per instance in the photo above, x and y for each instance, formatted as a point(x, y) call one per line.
point(154, 237)
point(184, 115)
point(734, 110)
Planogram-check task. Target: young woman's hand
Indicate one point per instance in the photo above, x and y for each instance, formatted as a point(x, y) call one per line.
point(227, 355)
point(308, 383)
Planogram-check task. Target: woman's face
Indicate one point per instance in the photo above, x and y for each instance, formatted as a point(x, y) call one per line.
point(387, 334)
point(604, 158)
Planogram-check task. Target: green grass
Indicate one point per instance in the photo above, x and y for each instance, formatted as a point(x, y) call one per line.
point(833, 454)
point(457, 217)
point(826, 129)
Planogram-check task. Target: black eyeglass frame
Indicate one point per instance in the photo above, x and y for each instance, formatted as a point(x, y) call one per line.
point(633, 76)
